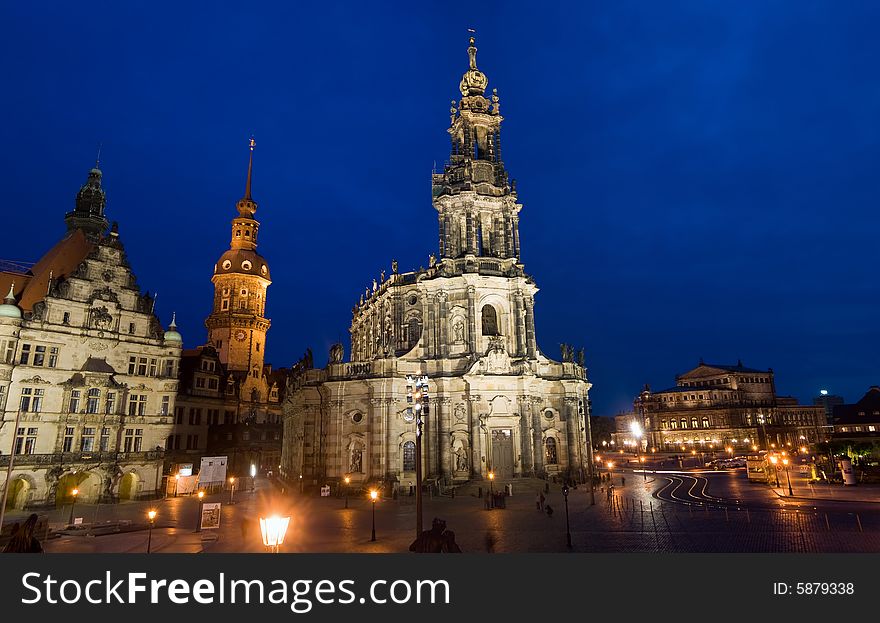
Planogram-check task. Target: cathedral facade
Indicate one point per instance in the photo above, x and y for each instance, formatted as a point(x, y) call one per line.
point(88, 377)
point(466, 322)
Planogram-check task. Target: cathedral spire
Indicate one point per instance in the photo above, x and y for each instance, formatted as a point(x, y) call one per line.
point(474, 81)
point(88, 215)
point(247, 188)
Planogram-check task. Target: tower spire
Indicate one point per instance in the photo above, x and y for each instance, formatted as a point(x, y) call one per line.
point(247, 188)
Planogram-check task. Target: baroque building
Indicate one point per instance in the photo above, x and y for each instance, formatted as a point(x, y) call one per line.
point(467, 322)
point(714, 407)
point(88, 378)
point(229, 402)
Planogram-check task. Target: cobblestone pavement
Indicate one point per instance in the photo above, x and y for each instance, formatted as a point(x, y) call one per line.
point(752, 519)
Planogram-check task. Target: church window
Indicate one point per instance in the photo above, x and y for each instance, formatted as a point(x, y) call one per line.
point(227, 264)
point(66, 318)
point(413, 299)
point(238, 233)
point(258, 347)
point(242, 304)
point(550, 454)
point(684, 423)
point(263, 269)
point(247, 233)
point(357, 417)
point(225, 291)
point(673, 423)
point(705, 422)
point(414, 332)
point(224, 305)
point(246, 265)
point(409, 456)
point(490, 320)
point(694, 423)
point(548, 414)
point(244, 292)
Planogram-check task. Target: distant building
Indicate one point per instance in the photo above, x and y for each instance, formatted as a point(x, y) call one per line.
point(713, 407)
point(229, 402)
point(88, 378)
point(859, 421)
point(626, 427)
point(828, 402)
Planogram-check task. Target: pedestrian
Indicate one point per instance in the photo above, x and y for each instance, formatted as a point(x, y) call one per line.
point(622, 481)
point(490, 543)
point(538, 500)
point(549, 511)
point(23, 540)
point(543, 499)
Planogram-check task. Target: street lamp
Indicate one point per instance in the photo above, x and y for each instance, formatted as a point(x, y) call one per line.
point(253, 476)
point(273, 530)
point(74, 493)
point(231, 490)
point(347, 482)
point(567, 526)
point(775, 459)
point(373, 496)
point(491, 490)
point(644, 470)
point(176, 484)
point(788, 477)
point(201, 497)
point(152, 517)
point(611, 472)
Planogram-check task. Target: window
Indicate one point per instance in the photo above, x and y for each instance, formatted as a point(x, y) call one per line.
point(192, 442)
point(153, 367)
point(74, 401)
point(87, 441)
point(31, 400)
point(66, 318)
point(228, 417)
point(166, 405)
point(705, 422)
point(694, 423)
point(67, 444)
point(137, 405)
point(244, 292)
point(7, 349)
point(110, 404)
point(26, 440)
point(490, 320)
point(195, 417)
point(242, 305)
point(212, 384)
point(133, 439)
point(105, 439)
point(673, 423)
point(39, 355)
point(224, 304)
point(200, 382)
point(2, 397)
point(178, 419)
point(93, 400)
point(142, 366)
point(409, 456)
point(550, 455)
point(131, 327)
point(53, 356)
point(168, 368)
point(246, 435)
point(25, 357)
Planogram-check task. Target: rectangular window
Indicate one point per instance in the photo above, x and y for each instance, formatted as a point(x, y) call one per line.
point(228, 417)
point(154, 367)
point(166, 405)
point(137, 404)
point(19, 440)
point(87, 441)
point(65, 319)
point(212, 384)
point(169, 368)
point(74, 401)
point(131, 328)
point(195, 417)
point(142, 366)
point(8, 350)
point(53, 356)
point(133, 439)
point(94, 398)
point(105, 439)
point(224, 305)
point(39, 355)
point(132, 365)
point(110, 404)
point(30, 443)
point(179, 418)
point(200, 382)
point(67, 445)
point(25, 357)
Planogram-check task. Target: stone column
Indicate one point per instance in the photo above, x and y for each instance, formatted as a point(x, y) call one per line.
point(516, 237)
point(525, 436)
point(476, 437)
point(472, 319)
point(530, 327)
point(443, 437)
point(538, 444)
point(430, 326)
point(469, 233)
point(571, 419)
point(519, 322)
point(443, 324)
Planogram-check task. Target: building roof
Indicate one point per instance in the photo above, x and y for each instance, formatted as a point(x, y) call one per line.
point(739, 367)
point(868, 405)
point(94, 364)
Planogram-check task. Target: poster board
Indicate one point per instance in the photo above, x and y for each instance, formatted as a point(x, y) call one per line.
point(212, 471)
point(210, 515)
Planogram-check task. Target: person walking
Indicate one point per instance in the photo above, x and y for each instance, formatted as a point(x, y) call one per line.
point(542, 500)
point(538, 500)
point(549, 510)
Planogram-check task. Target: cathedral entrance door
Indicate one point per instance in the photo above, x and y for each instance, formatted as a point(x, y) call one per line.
point(502, 452)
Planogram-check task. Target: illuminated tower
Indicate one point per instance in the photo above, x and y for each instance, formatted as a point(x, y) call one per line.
point(237, 326)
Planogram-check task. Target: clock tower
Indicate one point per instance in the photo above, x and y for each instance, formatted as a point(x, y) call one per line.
point(237, 326)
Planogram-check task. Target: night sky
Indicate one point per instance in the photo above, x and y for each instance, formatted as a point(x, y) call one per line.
point(699, 179)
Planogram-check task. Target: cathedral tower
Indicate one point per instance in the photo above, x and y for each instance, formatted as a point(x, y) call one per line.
point(237, 326)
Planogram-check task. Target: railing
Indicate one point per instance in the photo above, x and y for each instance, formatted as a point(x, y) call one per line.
point(65, 458)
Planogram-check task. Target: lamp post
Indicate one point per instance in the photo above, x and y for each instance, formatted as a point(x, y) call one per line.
point(254, 476)
point(417, 396)
point(347, 482)
point(774, 460)
point(176, 484)
point(373, 496)
point(273, 529)
point(201, 497)
point(151, 515)
point(231, 490)
point(644, 470)
point(788, 477)
point(74, 493)
point(567, 525)
point(611, 472)
point(491, 490)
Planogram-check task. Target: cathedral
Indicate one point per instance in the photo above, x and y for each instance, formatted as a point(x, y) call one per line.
point(88, 377)
point(467, 322)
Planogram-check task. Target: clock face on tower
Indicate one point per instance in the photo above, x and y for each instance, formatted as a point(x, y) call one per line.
point(240, 335)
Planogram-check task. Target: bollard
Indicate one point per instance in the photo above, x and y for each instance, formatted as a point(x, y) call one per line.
point(827, 525)
point(748, 516)
point(690, 510)
point(726, 516)
point(859, 521)
point(479, 492)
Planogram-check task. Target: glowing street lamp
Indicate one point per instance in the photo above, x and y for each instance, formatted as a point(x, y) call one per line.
point(273, 529)
point(176, 484)
point(347, 482)
point(151, 515)
point(788, 476)
point(644, 470)
point(374, 495)
point(231, 490)
point(774, 460)
point(74, 493)
point(567, 525)
point(491, 490)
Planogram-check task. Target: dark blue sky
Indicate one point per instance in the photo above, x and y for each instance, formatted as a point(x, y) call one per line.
point(699, 178)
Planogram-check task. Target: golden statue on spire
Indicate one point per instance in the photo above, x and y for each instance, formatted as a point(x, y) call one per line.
point(474, 81)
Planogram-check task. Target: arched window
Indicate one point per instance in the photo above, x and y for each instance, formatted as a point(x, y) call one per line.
point(409, 456)
point(413, 332)
point(490, 321)
point(694, 423)
point(551, 457)
point(684, 422)
point(705, 422)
